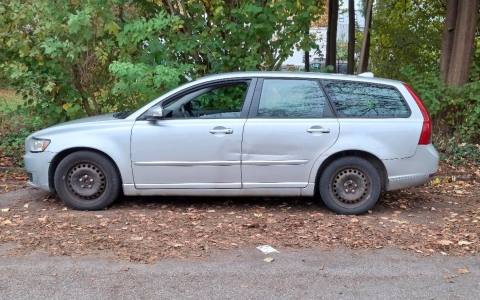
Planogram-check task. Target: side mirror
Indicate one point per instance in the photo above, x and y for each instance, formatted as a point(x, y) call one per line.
point(155, 113)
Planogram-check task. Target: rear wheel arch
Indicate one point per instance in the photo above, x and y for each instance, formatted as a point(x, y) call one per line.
point(63, 154)
point(375, 161)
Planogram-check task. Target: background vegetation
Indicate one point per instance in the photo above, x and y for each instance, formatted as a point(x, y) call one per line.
point(69, 59)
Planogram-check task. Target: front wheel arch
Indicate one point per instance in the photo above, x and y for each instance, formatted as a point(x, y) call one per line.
point(87, 180)
point(64, 153)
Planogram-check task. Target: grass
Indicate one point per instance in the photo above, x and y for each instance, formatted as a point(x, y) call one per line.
point(16, 123)
point(9, 100)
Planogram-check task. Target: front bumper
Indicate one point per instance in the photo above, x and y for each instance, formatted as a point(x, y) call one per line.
point(37, 165)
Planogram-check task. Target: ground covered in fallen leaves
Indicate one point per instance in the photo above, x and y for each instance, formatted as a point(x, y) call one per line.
point(440, 217)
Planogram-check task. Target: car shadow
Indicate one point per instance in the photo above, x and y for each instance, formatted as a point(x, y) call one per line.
point(236, 203)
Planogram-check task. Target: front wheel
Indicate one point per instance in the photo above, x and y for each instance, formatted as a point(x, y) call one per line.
point(87, 180)
point(350, 185)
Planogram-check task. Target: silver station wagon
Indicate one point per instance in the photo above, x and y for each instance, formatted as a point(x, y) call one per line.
point(342, 139)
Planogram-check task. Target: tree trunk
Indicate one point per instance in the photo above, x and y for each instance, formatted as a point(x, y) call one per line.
point(307, 55)
point(364, 53)
point(463, 43)
point(332, 34)
point(307, 61)
point(448, 37)
point(351, 37)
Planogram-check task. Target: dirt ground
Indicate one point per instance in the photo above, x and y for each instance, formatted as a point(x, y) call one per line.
point(440, 217)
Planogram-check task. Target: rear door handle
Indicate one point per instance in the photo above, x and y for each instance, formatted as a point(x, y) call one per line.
point(221, 129)
point(319, 129)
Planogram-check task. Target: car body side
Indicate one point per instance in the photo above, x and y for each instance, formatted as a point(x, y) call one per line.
point(392, 149)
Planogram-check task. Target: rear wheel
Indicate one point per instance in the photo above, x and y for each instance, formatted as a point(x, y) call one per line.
point(350, 185)
point(87, 180)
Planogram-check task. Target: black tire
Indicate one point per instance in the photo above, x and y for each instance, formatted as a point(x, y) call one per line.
point(87, 180)
point(350, 185)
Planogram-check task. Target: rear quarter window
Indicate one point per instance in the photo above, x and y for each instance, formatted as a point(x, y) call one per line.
point(366, 100)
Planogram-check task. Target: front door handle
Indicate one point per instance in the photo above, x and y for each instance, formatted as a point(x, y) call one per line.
point(319, 129)
point(221, 129)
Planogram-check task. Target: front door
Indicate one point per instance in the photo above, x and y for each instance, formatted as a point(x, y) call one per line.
point(197, 144)
point(290, 126)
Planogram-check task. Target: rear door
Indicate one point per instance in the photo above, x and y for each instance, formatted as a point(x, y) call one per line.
point(290, 125)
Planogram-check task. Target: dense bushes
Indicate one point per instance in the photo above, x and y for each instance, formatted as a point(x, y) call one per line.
point(454, 110)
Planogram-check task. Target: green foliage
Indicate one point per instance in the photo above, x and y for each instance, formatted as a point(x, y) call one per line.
point(406, 33)
point(230, 97)
point(454, 109)
point(76, 58)
point(218, 36)
point(327, 69)
point(455, 152)
point(16, 123)
point(406, 43)
point(57, 53)
point(140, 82)
point(146, 68)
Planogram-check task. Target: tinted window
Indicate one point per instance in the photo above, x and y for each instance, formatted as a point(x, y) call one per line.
point(359, 99)
point(283, 98)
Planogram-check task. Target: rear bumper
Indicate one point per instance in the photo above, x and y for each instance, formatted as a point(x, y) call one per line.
point(412, 171)
point(37, 165)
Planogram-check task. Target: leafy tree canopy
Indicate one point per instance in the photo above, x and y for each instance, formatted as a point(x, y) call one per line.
point(406, 33)
point(74, 58)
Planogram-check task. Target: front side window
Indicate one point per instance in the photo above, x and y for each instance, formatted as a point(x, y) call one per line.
point(223, 101)
point(291, 98)
point(229, 97)
point(366, 100)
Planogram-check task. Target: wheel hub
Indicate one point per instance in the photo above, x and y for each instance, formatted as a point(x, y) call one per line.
point(350, 185)
point(86, 181)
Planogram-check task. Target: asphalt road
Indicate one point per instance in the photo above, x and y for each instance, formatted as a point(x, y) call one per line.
point(243, 274)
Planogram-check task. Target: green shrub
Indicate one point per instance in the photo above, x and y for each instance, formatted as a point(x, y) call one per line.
point(16, 123)
point(454, 152)
point(454, 110)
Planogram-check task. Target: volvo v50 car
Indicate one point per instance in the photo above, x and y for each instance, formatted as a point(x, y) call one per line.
point(340, 138)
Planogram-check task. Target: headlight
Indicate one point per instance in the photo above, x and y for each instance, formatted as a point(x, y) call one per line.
point(38, 145)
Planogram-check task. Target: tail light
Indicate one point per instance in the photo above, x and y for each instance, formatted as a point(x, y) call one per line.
point(426, 136)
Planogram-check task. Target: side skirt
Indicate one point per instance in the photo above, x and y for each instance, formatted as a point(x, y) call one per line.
point(130, 190)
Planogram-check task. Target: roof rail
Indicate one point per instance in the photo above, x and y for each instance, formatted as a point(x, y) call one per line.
point(366, 74)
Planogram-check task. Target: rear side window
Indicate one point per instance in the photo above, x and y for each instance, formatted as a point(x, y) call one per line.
point(291, 98)
point(366, 100)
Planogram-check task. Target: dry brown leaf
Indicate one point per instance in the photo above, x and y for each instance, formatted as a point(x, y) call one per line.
point(445, 242)
point(463, 271)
